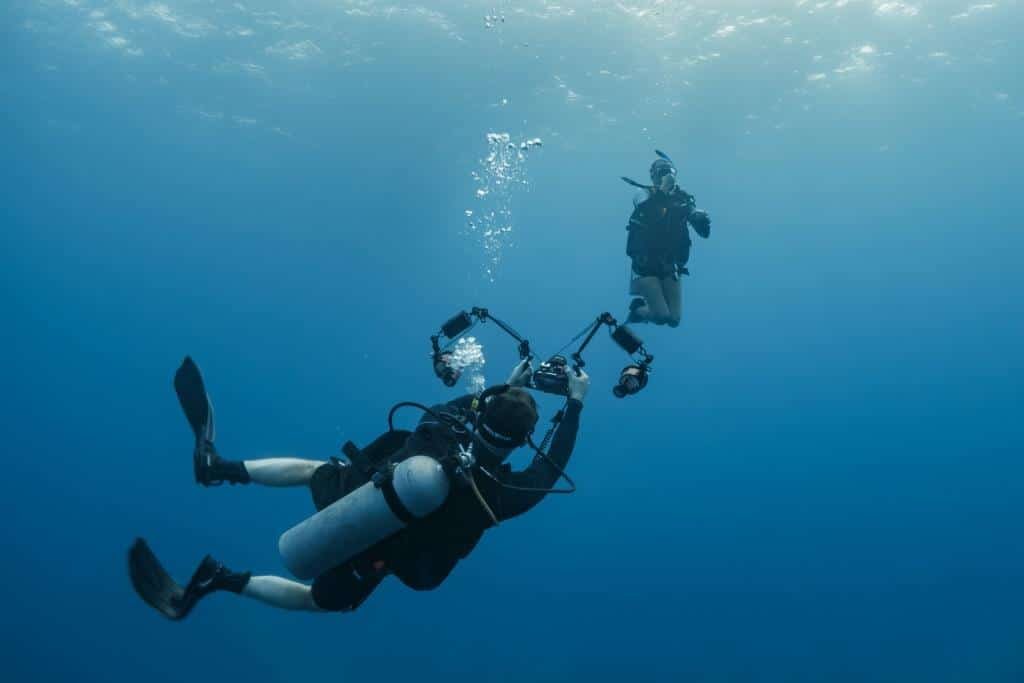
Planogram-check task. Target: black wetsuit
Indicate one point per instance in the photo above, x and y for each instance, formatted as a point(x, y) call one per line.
point(659, 241)
point(423, 554)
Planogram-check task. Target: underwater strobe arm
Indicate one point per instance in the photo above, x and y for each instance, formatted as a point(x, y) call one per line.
point(458, 324)
point(633, 377)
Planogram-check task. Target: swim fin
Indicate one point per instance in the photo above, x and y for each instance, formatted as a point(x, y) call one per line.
point(161, 592)
point(153, 584)
point(207, 466)
point(188, 384)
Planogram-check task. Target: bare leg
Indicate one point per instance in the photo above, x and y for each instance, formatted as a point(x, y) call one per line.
point(672, 287)
point(282, 471)
point(655, 309)
point(281, 593)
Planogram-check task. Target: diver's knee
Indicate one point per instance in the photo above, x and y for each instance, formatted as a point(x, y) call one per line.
point(421, 574)
point(672, 322)
point(328, 601)
point(421, 583)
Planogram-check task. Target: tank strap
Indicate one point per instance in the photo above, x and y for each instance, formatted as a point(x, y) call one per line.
point(386, 484)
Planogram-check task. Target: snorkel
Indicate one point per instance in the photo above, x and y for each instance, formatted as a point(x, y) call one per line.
point(663, 175)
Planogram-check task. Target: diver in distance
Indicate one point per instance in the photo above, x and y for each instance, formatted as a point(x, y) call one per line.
point(410, 504)
point(659, 244)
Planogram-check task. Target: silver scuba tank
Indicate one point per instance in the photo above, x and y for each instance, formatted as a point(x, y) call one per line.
point(418, 486)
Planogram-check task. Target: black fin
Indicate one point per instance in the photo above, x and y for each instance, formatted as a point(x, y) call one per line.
point(152, 582)
point(188, 383)
point(665, 157)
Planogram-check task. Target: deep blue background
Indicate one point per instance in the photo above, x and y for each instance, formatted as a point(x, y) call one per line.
point(822, 481)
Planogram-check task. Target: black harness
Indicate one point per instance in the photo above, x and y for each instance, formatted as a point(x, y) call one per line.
point(659, 241)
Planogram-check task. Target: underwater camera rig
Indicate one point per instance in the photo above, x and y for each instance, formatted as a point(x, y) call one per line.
point(551, 376)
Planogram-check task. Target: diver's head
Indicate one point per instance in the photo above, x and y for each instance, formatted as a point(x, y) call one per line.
point(663, 175)
point(507, 418)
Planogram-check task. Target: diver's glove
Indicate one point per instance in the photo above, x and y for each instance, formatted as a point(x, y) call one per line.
point(701, 222)
point(521, 374)
point(579, 383)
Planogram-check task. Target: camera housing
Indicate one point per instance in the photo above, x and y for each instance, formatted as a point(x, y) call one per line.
point(552, 377)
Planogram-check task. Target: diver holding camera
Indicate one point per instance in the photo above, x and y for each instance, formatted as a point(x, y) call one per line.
point(410, 504)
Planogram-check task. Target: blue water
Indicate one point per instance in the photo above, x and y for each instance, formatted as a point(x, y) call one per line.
point(823, 481)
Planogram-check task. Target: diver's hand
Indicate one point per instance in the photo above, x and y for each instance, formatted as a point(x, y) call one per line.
point(521, 374)
point(700, 218)
point(579, 383)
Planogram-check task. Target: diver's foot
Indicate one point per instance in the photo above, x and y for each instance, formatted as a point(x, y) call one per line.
point(634, 310)
point(204, 579)
point(204, 463)
point(209, 577)
point(212, 470)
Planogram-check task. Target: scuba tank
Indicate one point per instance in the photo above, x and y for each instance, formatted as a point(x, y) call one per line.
point(415, 488)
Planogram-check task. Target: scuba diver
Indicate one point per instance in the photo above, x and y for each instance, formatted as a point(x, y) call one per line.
point(411, 504)
point(659, 244)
